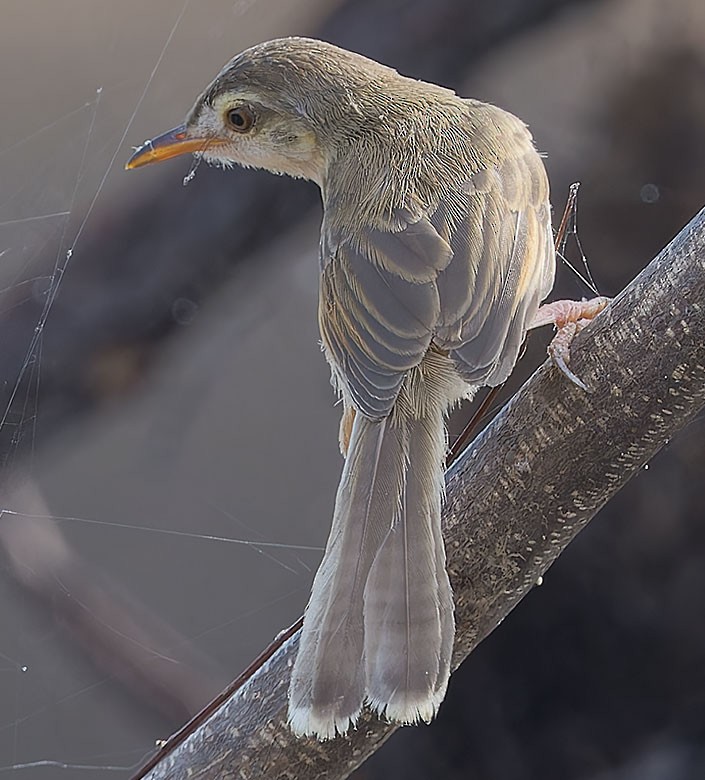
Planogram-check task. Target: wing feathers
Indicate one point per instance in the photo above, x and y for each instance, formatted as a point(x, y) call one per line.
point(416, 254)
point(467, 277)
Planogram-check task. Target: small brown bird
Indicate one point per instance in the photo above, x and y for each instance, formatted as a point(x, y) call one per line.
point(436, 252)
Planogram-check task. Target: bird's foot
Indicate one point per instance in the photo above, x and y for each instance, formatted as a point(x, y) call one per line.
point(569, 318)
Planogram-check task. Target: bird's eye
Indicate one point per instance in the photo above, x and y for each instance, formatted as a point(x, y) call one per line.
point(240, 119)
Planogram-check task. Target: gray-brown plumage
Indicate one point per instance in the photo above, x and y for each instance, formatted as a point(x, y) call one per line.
point(435, 254)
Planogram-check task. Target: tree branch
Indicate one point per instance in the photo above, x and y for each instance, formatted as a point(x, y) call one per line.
point(518, 495)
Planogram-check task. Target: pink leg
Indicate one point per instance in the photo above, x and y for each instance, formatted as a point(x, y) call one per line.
point(569, 317)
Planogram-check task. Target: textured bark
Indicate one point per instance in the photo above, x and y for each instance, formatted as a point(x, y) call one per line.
point(518, 495)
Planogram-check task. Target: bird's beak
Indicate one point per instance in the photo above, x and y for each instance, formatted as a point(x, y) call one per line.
point(173, 143)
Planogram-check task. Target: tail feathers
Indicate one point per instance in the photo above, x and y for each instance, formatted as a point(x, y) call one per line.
point(328, 682)
point(379, 625)
point(408, 609)
point(447, 614)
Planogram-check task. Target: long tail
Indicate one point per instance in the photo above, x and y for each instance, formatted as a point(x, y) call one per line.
point(379, 624)
point(408, 603)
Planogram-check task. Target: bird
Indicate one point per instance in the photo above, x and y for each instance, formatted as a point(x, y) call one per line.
point(435, 254)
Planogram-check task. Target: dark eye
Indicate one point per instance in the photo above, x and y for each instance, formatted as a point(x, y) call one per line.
point(241, 118)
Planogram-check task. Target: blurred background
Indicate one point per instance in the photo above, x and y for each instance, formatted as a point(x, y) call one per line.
point(168, 438)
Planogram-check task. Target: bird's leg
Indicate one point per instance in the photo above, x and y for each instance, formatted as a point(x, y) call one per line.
point(569, 318)
point(346, 424)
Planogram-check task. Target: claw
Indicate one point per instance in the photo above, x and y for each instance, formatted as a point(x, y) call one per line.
point(569, 317)
point(559, 361)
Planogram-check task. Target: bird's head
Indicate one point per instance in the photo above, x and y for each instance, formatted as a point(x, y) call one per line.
point(285, 105)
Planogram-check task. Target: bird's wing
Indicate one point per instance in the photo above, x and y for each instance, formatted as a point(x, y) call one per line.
point(468, 276)
point(499, 228)
point(379, 307)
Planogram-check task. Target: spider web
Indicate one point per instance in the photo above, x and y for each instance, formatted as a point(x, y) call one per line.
point(66, 169)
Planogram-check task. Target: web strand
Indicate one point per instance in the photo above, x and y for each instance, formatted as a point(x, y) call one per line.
point(28, 378)
point(164, 531)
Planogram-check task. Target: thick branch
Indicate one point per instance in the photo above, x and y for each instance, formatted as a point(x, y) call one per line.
point(520, 493)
